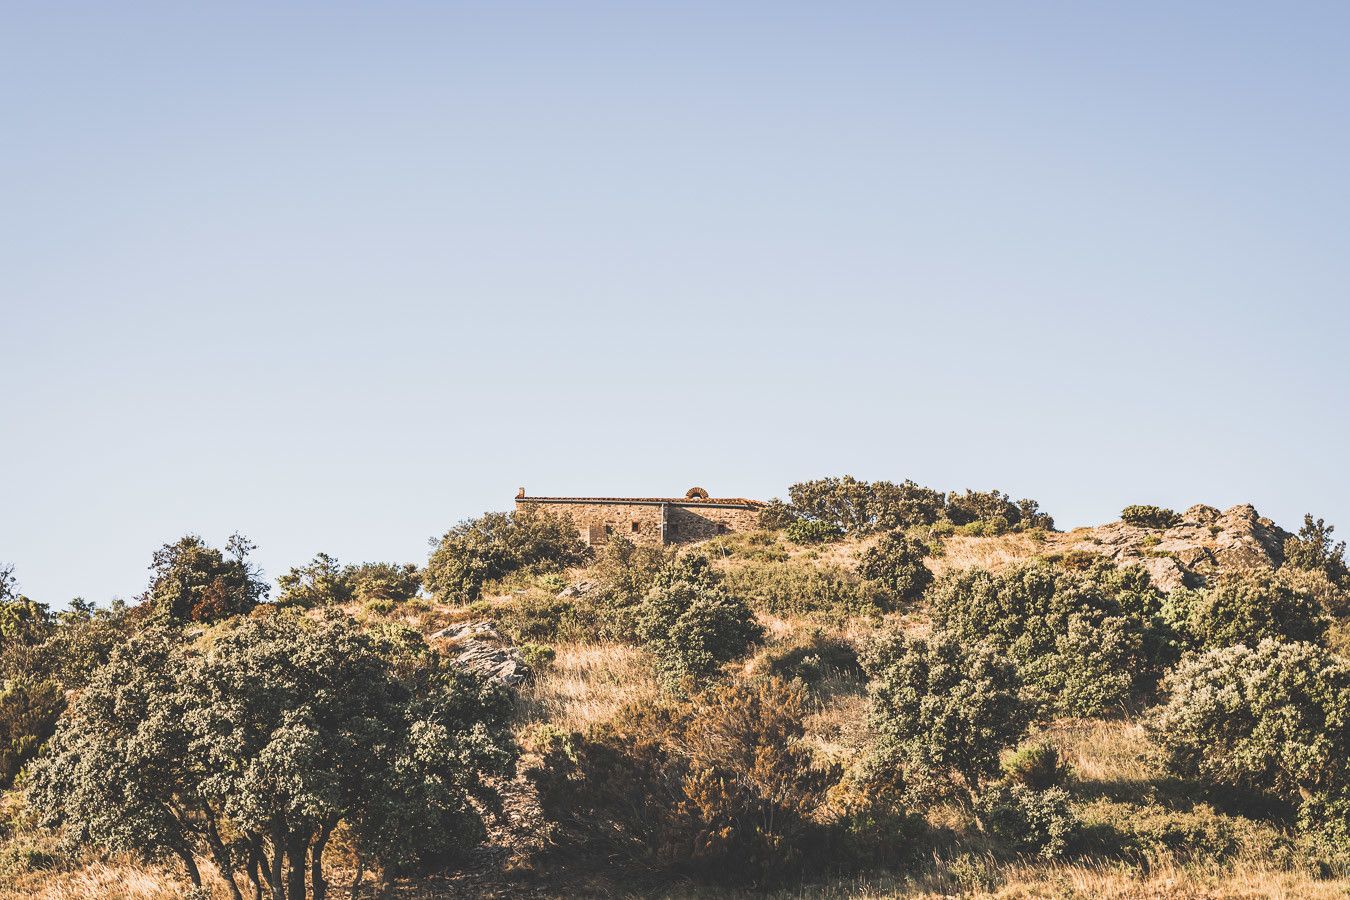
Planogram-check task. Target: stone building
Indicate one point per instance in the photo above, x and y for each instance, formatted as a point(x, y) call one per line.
point(653, 520)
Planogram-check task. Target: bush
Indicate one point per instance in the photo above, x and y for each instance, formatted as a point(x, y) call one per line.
point(533, 539)
point(1271, 718)
point(943, 710)
point(995, 511)
point(801, 588)
point(896, 562)
point(860, 507)
point(1036, 766)
point(813, 531)
point(693, 625)
point(720, 788)
point(1313, 550)
point(1084, 642)
point(1246, 608)
point(323, 582)
point(1028, 821)
point(29, 709)
point(777, 515)
point(1149, 516)
point(193, 581)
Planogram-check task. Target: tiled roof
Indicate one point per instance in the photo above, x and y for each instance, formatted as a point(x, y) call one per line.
point(687, 501)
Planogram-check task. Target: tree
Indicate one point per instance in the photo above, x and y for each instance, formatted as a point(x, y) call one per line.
point(1273, 718)
point(1083, 642)
point(997, 508)
point(497, 544)
point(1246, 608)
point(896, 561)
point(944, 710)
point(693, 625)
point(254, 743)
point(29, 708)
point(1313, 550)
point(324, 582)
point(196, 582)
point(860, 507)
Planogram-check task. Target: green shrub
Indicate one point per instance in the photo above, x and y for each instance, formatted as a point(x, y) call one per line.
point(1036, 766)
point(323, 582)
point(1313, 550)
point(943, 710)
point(531, 539)
point(777, 515)
point(1271, 718)
point(813, 531)
point(896, 562)
point(860, 507)
point(692, 624)
point(29, 709)
point(1084, 642)
point(1246, 608)
point(538, 656)
point(1028, 821)
point(1149, 516)
point(720, 788)
point(802, 588)
point(996, 510)
point(194, 581)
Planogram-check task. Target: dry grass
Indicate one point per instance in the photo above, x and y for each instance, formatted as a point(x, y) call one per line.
point(116, 879)
point(994, 553)
point(587, 683)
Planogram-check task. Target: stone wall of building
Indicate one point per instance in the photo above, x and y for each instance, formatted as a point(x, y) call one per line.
point(649, 521)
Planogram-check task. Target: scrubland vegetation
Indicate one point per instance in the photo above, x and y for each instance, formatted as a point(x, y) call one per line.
point(887, 690)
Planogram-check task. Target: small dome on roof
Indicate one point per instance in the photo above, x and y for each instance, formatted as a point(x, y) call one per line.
point(696, 493)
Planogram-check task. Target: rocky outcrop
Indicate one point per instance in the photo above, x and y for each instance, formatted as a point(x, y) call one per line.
point(478, 645)
point(1205, 543)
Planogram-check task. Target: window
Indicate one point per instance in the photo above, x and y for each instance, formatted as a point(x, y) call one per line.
point(721, 528)
point(609, 529)
point(636, 528)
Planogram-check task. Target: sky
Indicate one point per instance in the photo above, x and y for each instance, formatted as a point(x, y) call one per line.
point(339, 275)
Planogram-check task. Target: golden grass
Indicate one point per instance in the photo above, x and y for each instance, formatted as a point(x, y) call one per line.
point(117, 879)
point(994, 553)
point(587, 683)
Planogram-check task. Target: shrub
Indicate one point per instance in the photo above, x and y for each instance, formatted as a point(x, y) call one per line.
point(1149, 516)
point(802, 588)
point(692, 624)
point(1246, 608)
point(860, 507)
point(1036, 766)
point(720, 788)
point(1084, 642)
point(323, 582)
point(777, 515)
point(896, 562)
point(29, 709)
point(1271, 718)
point(813, 531)
point(1313, 550)
point(193, 581)
point(996, 510)
point(533, 539)
point(1028, 821)
point(943, 710)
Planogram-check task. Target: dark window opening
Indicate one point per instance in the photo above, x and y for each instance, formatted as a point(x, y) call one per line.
point(609, 529)
point(636, 528)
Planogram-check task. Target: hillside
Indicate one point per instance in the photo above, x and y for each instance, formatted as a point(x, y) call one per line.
point(781, 725)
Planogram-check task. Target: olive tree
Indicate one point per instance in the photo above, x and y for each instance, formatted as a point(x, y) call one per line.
point(497, 544)
point(254, 742)
point(1272, 718)
point(692, 624)
point(195, 581)
point(896, 561)
point(944, 710)
point(861, 507)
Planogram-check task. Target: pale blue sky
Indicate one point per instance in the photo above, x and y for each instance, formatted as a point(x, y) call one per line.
point(337, 275)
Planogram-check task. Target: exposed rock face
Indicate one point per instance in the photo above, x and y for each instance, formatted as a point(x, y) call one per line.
point(481, 647)
point(1205, 543)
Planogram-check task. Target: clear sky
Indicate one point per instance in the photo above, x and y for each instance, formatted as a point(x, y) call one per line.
point(338, 275)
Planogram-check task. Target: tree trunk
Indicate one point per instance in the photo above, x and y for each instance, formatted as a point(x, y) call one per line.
point(360, 873)
point(190, 864)
point(296, 861)
point(255, 864)
point(221, 856)
point(274, 871)
point(318, 886)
